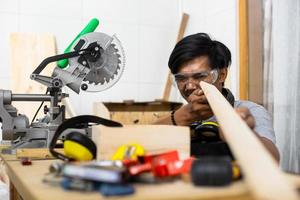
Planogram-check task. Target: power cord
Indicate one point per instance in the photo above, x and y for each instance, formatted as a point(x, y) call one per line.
point(39, 108)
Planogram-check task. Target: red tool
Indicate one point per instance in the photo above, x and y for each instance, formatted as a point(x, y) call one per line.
point(180, 166)
point(161, 165)
point(26, 161)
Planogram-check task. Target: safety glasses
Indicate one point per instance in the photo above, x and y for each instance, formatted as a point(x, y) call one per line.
point(195, 77)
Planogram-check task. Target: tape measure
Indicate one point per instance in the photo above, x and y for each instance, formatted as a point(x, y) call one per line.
point(128, 152)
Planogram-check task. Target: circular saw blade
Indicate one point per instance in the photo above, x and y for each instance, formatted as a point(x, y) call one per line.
point(105, 68)
point(108, 68)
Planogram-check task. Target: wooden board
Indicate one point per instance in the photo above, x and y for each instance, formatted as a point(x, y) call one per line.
point(131, 112)
point(154, 138)
point(261, 172)
point(99, 109)
point(27, 51)
point(243, 50)
point(36, 153)
point(255, 50)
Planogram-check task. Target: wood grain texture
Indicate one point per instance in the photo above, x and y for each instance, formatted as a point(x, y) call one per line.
point(100, 110)
point(261, 172)
point(28, 182)
point(134, 112)
point(34, 153)
point(154, 138)
point(28, 50)
point(168, 86)
point(255, 51)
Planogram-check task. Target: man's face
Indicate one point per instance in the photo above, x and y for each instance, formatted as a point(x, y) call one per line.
point(191, 73)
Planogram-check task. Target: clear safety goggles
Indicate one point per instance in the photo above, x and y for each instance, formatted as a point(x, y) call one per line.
point(196, 77)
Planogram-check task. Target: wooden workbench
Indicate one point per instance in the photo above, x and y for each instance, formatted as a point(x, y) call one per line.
point(28, 182)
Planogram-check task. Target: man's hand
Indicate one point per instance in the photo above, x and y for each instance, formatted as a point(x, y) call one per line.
point(246, 116)
point(198, 106)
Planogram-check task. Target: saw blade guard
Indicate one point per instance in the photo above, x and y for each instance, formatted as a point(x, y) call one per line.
point(99, 71)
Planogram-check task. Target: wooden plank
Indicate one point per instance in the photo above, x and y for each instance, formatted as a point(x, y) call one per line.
point(243, 50)
point(168, 86)
point(36, 153)
point(134, 112)
point(154, 138)
point(27, 51)
point(28, 181)
point(99, 109)
point(261, 172)
point(255, 70)
point(133, 117)
point(142, 106)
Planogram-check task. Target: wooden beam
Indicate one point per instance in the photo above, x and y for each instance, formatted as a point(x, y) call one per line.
point(168, 87)
point(36, 153)
point(27, 51)
point(255, 51)
point(149, 136)
point(262, 174)
point(243, 50)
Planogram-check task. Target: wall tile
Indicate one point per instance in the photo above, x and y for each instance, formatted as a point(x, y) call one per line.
point(52, 8)
point(196, 9)
point(64, 30)
point(159, 13)
point(10, 6)
point(222, 25)
point(121, 11)
point(4, 83)
point(155, 47)
point(215, 6)
point(129, 38)
point(8, 24)
point(150, 91)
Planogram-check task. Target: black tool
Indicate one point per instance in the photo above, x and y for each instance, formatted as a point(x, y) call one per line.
point(206, 132)
point(213, 171)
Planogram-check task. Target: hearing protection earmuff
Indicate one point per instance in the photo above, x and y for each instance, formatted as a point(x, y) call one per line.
point(206, 131)
point(78, 146)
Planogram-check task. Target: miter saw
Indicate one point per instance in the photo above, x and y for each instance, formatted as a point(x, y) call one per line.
point(93, 62)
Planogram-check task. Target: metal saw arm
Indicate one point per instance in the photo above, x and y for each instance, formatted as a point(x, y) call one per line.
point(54, 82)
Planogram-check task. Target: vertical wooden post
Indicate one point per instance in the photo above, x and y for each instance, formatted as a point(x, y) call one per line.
point(243, 49)
point(255, 51)
point(180, 35)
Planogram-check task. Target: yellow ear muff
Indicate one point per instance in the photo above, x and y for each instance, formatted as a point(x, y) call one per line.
point(77, 151)
point(84, 143)
point(79, 147)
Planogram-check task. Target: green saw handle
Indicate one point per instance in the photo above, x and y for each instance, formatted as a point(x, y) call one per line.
point(90, 27)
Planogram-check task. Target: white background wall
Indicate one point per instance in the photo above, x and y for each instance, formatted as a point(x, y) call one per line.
point(146, 28)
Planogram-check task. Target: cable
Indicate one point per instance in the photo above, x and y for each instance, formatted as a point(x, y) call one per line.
point(38, 109)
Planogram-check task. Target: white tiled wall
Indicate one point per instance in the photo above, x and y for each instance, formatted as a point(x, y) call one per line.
point(146, 28)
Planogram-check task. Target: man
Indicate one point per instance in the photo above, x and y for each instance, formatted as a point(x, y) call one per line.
point(199, 58)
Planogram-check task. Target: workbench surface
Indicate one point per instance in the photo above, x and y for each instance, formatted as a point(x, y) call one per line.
point(28, 182)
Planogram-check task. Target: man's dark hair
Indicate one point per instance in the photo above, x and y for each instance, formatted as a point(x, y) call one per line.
point(196, 45)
